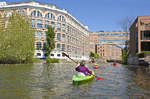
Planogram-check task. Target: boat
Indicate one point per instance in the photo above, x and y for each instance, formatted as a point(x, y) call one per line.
point(96, 66)
point(82, 79)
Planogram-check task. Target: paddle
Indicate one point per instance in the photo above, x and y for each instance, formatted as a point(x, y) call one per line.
point(98, 78)
point(69, 57)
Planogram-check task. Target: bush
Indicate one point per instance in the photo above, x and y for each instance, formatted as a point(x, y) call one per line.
point(143, 54)
point(52, 60)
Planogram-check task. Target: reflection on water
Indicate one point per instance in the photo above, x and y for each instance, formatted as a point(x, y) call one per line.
point(54, 81)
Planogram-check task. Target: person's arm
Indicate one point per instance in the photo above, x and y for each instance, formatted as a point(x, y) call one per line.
point(77, 68)
point(89, 72)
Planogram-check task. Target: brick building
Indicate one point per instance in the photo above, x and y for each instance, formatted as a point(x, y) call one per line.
point(107, 44)
point(140, 35)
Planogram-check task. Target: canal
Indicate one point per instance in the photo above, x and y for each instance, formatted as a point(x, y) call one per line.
point(41, 81)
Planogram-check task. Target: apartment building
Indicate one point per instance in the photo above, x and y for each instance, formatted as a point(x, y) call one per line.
point(72, 37)
point(139, 35)
point(108, 44)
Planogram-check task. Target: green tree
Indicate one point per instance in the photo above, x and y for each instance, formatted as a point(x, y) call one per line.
point(50, 38)
point(94, 55)
point(91, 54)
point(124, 56)
point(17, 41)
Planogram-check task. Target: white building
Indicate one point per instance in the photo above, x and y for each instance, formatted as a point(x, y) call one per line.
point(71, 36)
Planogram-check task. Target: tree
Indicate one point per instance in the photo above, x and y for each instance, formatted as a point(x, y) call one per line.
point(91, 54)
point(126, 23)
point(124, 56)
point(50, 38)
point(17, 41)
point(94, 55)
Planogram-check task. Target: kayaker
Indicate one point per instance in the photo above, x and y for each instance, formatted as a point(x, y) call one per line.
point(114, 64)
point(83, 70)
point(96, 66)
point(92, 60)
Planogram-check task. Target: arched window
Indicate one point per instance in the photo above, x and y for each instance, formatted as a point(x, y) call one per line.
point(50, 16)
point(36, 14)
point(39, 14)
point(33, 14)
point(61, 18)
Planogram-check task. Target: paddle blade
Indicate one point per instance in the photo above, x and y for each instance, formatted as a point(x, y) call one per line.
point(99, 78)
point(64, 54)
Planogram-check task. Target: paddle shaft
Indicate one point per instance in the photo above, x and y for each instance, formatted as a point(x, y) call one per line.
point(69, 58)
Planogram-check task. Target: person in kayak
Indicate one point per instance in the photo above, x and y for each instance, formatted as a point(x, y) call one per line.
point(83, 70)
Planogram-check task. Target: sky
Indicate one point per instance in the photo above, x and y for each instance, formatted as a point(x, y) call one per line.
point(101, 14)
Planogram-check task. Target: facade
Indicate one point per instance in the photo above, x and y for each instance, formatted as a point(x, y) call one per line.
point(139, 35)
point(93, 37)
point(109, 51)
point(107, 44)
point(71, 36)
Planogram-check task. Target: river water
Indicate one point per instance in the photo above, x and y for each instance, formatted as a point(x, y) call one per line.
point(54, 81)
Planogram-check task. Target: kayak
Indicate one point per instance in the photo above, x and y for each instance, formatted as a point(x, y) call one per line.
point(96, 67)
point(82, 79)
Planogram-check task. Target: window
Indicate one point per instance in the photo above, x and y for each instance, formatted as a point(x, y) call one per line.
point(58, 47)
point(38, 54)
point(58, 27)
point(63, 47)
point(38, 45)
point(50, 16)
point(68, 39)
point(68, 29)
point(58, 37)
point(39, 35)
point(39, 14)
point(52, 54)
point(63, 27)
point(39, 23)
point(63, 37)
point(61, 18)
point(53, 24)
point(68, 48)
point(44, 35)
point(21, 11)
point(33, 23)
point(44, 46)
point(36, 14)
point(46, 24)
point(33, 14)
point(141, 23)
point(58, 55)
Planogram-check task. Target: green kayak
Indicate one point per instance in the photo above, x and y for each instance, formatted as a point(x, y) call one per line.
point(82, 79)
